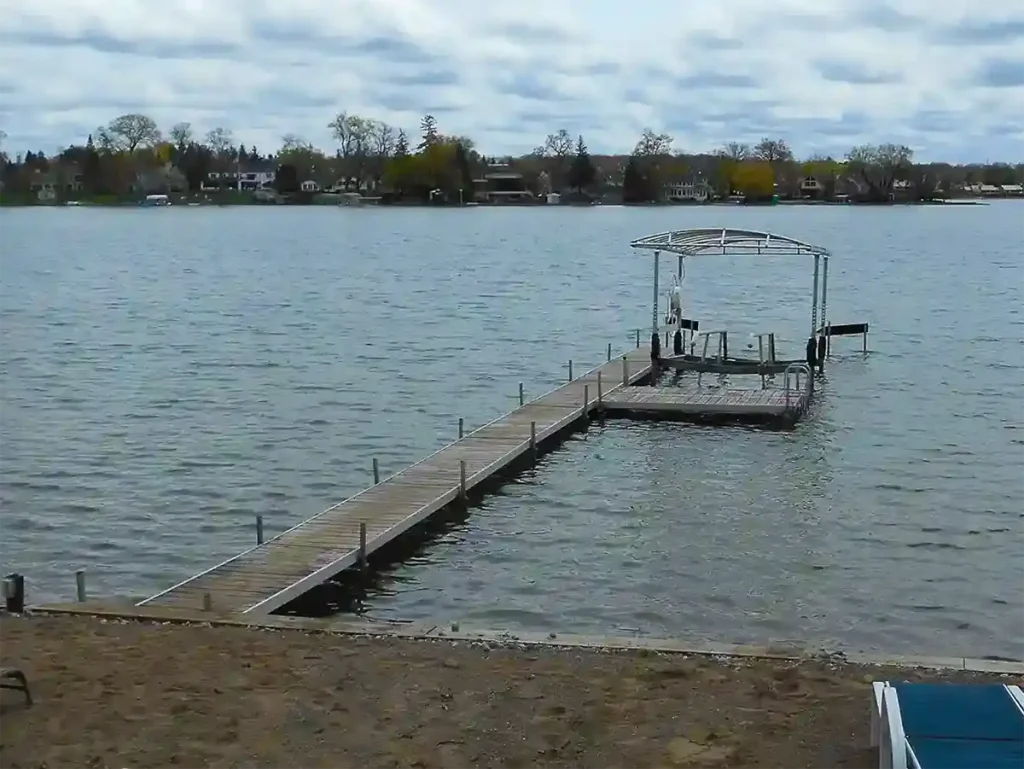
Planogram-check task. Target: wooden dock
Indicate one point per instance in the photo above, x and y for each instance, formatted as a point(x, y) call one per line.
point(268, 576)
point(692, 401)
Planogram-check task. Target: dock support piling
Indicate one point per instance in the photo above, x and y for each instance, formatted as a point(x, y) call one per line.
point(600, 394)
point(638, 337)
point(609, 351)
point(80, 585)
point(533, 442)
point(376, 471)
point(207, 602)
point(259, 529)
point(625, 371)
point(586, 401)
point(570, 369)
point(462, 426)
point(522, 400)
point(362, 546)
point(462, 479)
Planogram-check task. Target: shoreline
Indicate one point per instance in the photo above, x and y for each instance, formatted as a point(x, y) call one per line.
point(124, 693)
point(349, 625)
point(331, 204)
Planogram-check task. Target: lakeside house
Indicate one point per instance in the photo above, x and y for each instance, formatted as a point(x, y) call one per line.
point(501, 184)
point(693, 190)
point(246, 176)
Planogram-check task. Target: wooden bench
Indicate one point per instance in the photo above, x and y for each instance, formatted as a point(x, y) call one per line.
point(12, 678)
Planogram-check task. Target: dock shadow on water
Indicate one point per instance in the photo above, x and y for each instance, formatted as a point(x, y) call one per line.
point(352, 590)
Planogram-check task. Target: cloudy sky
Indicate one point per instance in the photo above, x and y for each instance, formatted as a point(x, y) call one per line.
point(943, 76)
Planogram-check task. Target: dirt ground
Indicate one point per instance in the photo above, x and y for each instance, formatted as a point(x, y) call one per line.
point(112, 694)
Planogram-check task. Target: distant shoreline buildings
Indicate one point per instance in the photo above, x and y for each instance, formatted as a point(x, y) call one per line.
point(131, 158)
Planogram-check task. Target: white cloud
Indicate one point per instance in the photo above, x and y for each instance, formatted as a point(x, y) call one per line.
point(946, 78)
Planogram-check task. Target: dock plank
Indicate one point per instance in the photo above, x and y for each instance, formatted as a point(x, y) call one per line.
point(705, 401)
point(264, 578)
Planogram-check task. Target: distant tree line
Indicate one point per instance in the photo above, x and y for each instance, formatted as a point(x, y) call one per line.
point(438, 167)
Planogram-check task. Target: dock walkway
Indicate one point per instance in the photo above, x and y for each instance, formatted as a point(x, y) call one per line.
point(263, 579)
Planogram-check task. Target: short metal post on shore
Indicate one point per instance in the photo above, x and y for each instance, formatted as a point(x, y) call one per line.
point(600, 394)
point(570, 369)
point(533, 442)
point(638, 338)
point(609, 351)
point(80, 585)
point(522, 399)
point(376, 471)
point(462, 480)
point(625, 371)
point(462, 426)
point(259, 529)
point(586, 401)
point(207, 602)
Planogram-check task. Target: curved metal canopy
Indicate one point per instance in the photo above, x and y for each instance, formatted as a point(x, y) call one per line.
point(726, 241)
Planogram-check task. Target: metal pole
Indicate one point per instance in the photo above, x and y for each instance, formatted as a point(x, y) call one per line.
point(376, 471)
point(814, 302)
point(462, 426)
point(609, 351)
point(80, 585)
point(654, 306)
point(520, 394)
point(824, 293)
point(679, 270)
point(259, 529)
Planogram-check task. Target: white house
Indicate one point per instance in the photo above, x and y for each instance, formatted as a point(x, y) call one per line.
point(309, 186)
point(691, 192)
point(247, 175)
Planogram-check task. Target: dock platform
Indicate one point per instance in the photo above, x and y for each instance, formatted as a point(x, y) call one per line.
point(262, 579)
point(692, 402)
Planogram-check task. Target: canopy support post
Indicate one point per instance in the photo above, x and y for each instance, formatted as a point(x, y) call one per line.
point(655, 336)
point(654, 309)
point(824, 300)
point(814, 300)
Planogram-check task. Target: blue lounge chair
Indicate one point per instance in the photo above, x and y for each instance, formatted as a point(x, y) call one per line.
point(947, 726)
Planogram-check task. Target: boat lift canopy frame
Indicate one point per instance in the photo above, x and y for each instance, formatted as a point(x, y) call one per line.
point(728, 242)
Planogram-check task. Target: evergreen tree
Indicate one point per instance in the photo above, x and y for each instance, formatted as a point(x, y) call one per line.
point(582, 173)
point(633, 183)
point(428, 129)
point(401, 145)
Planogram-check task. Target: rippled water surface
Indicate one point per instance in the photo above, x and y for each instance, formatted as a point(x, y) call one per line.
point(167, 374)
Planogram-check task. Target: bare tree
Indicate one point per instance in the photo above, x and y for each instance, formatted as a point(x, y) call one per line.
point(356, 141)
point(382, 147)
point(773, 150)
point(220, 140)
point(129, 132)
point(557, 145)
point(652, 144)
point(879, 166)
point(735, 151)
point(383, 138)
point(292, 143)
point(182, 134)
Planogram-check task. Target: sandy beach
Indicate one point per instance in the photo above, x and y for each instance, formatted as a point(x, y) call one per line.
point(131, 694)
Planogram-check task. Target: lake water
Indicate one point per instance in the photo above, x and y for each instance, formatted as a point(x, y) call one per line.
point(167, 374)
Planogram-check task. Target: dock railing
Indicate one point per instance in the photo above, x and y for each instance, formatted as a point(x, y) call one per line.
point(798, 382)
